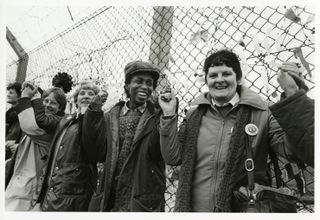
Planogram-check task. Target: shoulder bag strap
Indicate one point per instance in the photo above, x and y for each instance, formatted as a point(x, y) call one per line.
point(276, 168)
point(249, 166)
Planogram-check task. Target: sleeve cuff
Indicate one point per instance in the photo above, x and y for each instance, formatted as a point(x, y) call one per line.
point(168, 117)
point(37, 101)
point(166, 123)
point(287, 100)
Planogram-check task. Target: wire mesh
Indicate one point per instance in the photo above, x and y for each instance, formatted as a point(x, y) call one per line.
point(178, 39)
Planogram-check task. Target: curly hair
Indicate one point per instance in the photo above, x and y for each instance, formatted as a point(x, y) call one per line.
point(85, 84)
point(63, 80)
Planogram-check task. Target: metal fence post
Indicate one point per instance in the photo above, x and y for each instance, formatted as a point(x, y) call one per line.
point(23, 56)
point(160, 44)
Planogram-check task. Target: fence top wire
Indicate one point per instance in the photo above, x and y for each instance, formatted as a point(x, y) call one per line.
point(100, 45)
point(260, 35)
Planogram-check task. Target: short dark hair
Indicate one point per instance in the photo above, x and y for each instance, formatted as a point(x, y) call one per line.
point(223, 57)
point(16, 86)
point(59, 95)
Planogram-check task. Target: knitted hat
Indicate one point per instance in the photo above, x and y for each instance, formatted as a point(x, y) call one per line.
point(135, 67)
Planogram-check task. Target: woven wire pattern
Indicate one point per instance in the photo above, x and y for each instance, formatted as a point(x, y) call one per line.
point(178, 39)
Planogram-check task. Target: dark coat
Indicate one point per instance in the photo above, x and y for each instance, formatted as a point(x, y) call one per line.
point(70, 177)
point(144, 168)
point(13, 130)
point(295, 115)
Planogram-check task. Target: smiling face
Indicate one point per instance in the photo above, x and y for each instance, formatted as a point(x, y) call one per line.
point(12, 96)
point(85, 97)
point(222, 83)
point(139, 89)
point(51, 106)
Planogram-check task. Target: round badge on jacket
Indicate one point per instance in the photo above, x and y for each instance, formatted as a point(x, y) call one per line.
point(251, 129)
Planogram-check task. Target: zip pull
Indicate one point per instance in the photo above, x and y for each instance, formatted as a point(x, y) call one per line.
point(252, 206)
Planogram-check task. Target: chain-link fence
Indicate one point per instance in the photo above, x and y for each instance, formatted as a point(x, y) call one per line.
point(178, 39)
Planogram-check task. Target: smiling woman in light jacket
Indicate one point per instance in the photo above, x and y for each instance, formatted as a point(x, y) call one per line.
point(22, 182)
point(211, 143)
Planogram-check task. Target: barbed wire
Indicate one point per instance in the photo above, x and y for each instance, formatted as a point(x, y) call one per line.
point(100, 45)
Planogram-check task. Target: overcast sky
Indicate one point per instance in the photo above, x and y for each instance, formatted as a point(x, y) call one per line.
point(33, 25)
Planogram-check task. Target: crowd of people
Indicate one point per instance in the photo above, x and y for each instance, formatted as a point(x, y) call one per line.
point(52, 157)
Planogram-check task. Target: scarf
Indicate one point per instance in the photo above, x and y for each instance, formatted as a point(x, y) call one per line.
point(234, 160)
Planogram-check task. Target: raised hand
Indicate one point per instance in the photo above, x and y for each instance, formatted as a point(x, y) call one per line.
point(28, 89)
point(168, 102)
point(289, 78)
point(97, 102)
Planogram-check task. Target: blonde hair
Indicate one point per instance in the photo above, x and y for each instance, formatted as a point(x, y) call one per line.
point(85, 84)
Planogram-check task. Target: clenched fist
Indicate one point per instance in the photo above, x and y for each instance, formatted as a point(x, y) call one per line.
point(289, 78)
point(168, 102)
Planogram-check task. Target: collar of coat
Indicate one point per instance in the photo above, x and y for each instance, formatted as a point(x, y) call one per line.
point(247, 97)
point(149, 106)
point(126, 108)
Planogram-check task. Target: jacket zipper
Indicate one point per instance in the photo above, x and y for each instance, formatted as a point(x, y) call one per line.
point(217, 161)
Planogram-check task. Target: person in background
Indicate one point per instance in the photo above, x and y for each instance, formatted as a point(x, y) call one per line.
point(104, 97)
point(23, 179)
point(64, 81)
point(13, 131)
point(70, 176)
point(134, 170)
point(211, 142)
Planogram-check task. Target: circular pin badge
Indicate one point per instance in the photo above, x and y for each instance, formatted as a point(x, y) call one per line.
point(251, 129)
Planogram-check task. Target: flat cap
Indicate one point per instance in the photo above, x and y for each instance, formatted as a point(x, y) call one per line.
point(142, 67)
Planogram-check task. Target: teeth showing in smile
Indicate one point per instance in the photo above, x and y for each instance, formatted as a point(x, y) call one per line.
point(221, 87)
point(142, 94)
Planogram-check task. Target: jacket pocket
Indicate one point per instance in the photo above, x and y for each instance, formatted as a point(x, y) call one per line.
point(75, 179)
point(148, 203)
